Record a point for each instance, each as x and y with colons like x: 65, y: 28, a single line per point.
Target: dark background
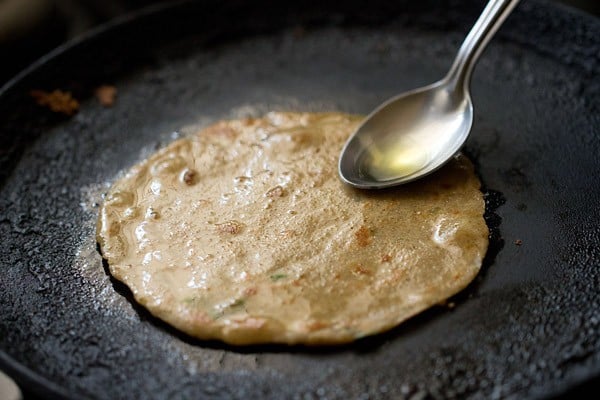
x: 31, y: 28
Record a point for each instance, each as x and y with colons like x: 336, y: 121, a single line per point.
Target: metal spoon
x: 417, y: 132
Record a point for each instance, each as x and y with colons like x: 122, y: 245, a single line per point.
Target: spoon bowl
x: 415, y: 133
x: 434, y: 122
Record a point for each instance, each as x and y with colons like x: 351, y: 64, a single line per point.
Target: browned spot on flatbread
x: 189, y: 177
x: 361, y: 270
x: 386, y: 258
x: 317, y: 325
x: 221, y: 129
x: 363, y: 236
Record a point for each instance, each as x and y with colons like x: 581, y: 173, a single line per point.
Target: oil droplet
x: 151, y: 213
x: 155, y: 187
x: 243, y: 183
x: 120, y: 198
x: 401, y: 159
x: 130, y: 212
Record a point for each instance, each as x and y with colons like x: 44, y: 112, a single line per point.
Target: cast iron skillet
x: 528, y: 327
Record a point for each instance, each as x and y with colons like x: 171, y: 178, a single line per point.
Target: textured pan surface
x: 528, y: 326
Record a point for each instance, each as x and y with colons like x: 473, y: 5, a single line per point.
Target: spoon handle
x: 491, y: 18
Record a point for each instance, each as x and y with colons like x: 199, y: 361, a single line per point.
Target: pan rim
x: 83, y: 38
x: 30, y: 381
x: 8, y: 363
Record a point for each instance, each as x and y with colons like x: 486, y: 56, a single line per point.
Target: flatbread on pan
x: 244, y: 233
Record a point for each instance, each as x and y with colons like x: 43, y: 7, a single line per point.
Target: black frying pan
x: 528, y: 327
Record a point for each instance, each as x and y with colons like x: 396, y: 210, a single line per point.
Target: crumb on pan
x: 57, y: 101
x: 106, y: 95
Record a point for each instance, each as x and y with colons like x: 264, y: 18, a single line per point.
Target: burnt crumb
x: 447, y: 304
x: 518, y: 242
x: 386, y: 258
x: 57, y: 101
x: 189, y: 177
x: 106, y: 95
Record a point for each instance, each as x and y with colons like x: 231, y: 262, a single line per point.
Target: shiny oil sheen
x: 385, y: 156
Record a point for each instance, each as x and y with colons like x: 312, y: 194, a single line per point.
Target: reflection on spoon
x: 415, y: 133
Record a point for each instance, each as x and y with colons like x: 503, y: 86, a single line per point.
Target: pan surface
x: 528, y: 327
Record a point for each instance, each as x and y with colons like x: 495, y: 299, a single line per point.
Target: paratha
x: 244, y: 233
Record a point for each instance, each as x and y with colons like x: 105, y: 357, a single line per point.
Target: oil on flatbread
x: 245, y: 234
